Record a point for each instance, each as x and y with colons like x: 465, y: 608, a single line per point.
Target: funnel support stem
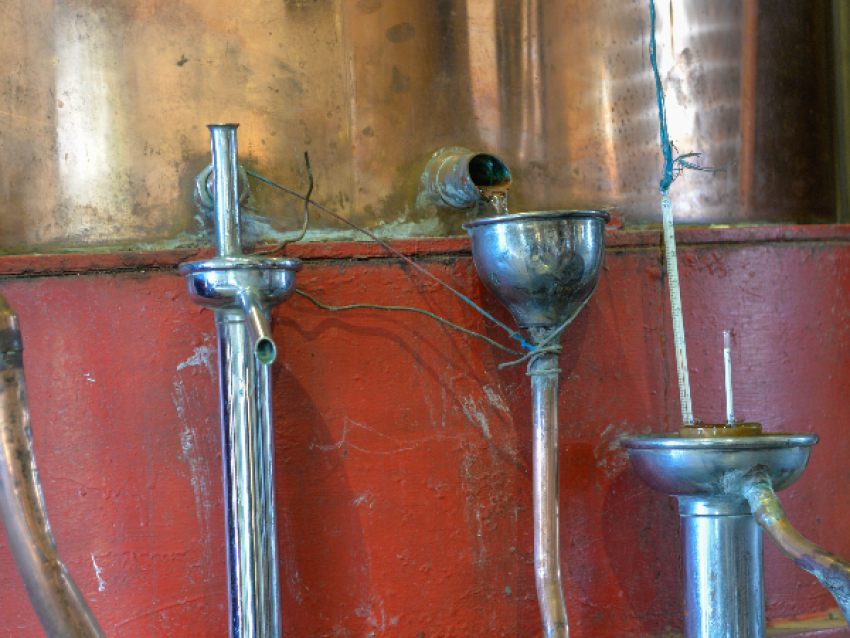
x: 547, y: 560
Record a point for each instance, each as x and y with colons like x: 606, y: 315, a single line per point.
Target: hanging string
x: 673, y: 167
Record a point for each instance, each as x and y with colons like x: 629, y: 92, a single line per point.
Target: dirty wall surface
x: 403, y: 454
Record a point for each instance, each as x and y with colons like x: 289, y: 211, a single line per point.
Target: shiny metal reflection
x: 100, y: 139
x: 543, y: 267
x: 721, y: 541
x: 241, y: 290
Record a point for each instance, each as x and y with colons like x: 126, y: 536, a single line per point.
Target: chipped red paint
x: 403, y: 453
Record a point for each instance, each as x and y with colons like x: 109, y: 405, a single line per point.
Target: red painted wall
x: 404, y: 457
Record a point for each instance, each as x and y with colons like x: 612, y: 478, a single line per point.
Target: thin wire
x: 303, y: 232
x: 546, y: 345
x: 513, y: 333
x: 408, y: 309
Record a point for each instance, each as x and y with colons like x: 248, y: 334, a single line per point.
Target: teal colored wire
x: 372, y: 306
x: 513, y: 333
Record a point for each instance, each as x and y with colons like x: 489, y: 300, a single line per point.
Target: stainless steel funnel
x: 543, y: 267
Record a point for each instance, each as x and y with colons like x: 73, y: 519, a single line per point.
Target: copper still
x: 562, y: 91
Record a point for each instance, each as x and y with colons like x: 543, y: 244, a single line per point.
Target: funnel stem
x: 547, y: 560
x: 60, y: 606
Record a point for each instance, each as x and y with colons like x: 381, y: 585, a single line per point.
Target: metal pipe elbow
x: 257, y: 323
x: 61, y: 608
x: 831, y: 570
x: 456, y: 177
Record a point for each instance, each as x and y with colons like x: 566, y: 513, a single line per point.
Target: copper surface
x: 104, y: 106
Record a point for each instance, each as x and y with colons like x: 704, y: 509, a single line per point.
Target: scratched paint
x: 101, y: 584
x: 400, y: 514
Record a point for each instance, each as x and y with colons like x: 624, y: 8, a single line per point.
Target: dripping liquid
x: 495, y: 202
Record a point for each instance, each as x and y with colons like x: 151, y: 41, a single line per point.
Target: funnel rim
x: 243, y: 262
x: 539, y: 215
x: 667, y: 441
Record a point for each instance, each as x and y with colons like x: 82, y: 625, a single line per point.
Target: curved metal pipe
x: 61, y: 608
x: 543, y: 370
x: 456, y: 177
x: 831, y: 570
x: 257, y: 324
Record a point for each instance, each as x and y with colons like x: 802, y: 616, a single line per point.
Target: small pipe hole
x: 265, y: 351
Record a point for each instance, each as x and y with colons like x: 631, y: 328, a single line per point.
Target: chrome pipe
x: 241, y: 289
x: 226, y: 189
x: 831, y: 570
x: 721, y: 569
x: 248, y: 464
x: 61, y: 608
x: 547, y: 561
x: 257, y: 324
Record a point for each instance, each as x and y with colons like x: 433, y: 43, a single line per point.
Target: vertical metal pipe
x: 249, y: 483
x: 245, y: 350
x: 226, y: 189
x: 271, y: 577
x: 547, y: 561
x: 722, y: 569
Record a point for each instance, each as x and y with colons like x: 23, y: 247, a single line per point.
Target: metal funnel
x: 542, y: 266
